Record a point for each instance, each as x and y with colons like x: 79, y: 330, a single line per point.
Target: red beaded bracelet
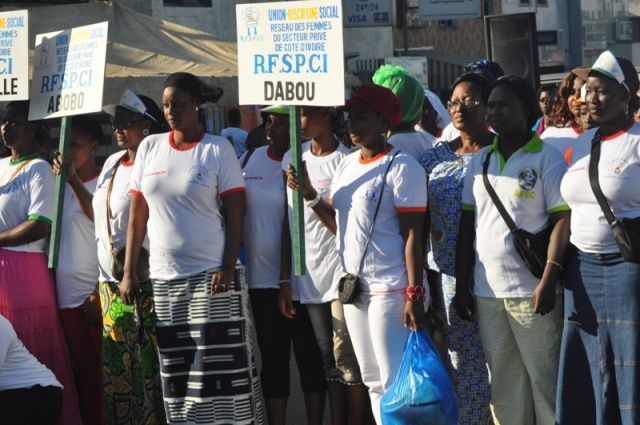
x: 415, y: 293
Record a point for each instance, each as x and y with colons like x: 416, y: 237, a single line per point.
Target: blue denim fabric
x: 599, y: 377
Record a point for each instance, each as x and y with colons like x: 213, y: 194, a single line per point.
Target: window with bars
x: 187, y: 3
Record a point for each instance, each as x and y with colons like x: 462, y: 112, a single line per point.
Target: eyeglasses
x: 125, y: 125
x: 467, y: 104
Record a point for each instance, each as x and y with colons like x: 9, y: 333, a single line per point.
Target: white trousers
x: 378, y: 335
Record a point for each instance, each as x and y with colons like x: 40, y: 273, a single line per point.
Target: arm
x: 83, y: 196
x: 545, y: 293
x: 233, y: 209
x: 465, y: 259
x: 285, y: 295
x: 323, y: 209
x: 411, y: 227
x: 26, y: 232
x: 138, y: 217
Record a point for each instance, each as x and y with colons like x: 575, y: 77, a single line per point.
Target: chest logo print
x: 617, y: 166
x: 198, y: 175
x: 527, y: 178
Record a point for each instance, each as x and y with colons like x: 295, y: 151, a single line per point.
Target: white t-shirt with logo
x: 619, y: 177
x: 412, y: 143
x: 528, y: 184
x: 183, y: 188
x: 26, y: 196
x: 19, y: 369
x: 120, y: 206
x: 560, y: 138
x: 77, y: 271
x: 264, y: 217
x: 355, y: 192
x: 320, y: 283
x: 238, y: 137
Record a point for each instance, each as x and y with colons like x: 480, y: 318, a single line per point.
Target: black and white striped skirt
x: 207, y: 366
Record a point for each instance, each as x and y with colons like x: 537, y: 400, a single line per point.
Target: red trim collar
x: 576, y: 130
x: 619, y: 132
x: 95, y: 176
x: 272, y: 156
x: 186, y: 147
x: 125, y: 163
x: 376, y: 156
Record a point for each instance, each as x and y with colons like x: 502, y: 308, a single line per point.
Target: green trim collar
x: 22, y: 159
x: 534, y: 145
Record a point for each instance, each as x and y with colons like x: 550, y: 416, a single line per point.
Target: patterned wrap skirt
x: 207, y: 365
x: 130, y: 359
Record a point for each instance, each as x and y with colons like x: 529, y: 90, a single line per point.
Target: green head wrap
x: 405, y: 87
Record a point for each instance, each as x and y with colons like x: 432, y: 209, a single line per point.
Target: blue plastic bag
x: 422, y: 393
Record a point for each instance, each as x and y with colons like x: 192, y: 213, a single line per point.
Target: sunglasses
x: 125, y: 125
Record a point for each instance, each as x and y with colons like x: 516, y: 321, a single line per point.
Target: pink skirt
x: 28, y: 301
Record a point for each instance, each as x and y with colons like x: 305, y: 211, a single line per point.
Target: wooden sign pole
x: 295, y: 133
x: 61, y: 183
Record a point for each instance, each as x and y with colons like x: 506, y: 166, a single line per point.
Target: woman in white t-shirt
x: 390, y: 265
x: 566, y: 124
x: 76, y: 280
x: 519, y: 315
x: 403, y: 135
x: 27, y: 288
x: 188, y: 192
x: 598, y: 378
x: 317, y: 289
x: 30, y: 394
x: 263, y: 240
x: 128, y: 330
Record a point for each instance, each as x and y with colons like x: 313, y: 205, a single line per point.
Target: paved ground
x: 296, y: 414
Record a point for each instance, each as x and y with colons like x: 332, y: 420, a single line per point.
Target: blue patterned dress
x: 445, y: 172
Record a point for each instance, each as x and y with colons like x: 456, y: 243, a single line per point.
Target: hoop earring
x: 145, y: 131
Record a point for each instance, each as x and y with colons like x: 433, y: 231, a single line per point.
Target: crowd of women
x: 507, y: 224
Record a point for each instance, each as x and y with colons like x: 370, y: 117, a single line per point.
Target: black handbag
x: 531, y: 247
x: 118, y: 254
x: 349, y: 284
x: 627, y: 230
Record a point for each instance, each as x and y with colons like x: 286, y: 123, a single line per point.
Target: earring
x: 145, y: 131
x: 197, y: 109
x: 626, y: 108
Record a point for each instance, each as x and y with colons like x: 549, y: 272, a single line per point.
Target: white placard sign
x: 449, y: 9
x: 14, y: 55
x: 290, y: 53
x: 68, y: 72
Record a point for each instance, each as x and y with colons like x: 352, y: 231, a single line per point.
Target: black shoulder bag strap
x: 246, y: 157
x: 593, y: 178
x: 375, y: 214
x: 494, y: 196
